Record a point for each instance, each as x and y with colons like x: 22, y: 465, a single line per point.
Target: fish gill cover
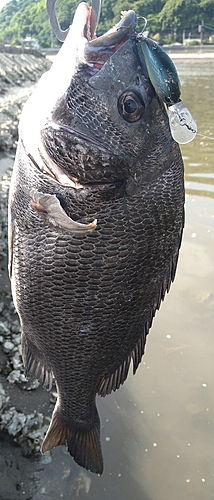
x: 96, y: 218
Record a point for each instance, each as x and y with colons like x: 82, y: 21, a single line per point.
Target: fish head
x: 99, y: 118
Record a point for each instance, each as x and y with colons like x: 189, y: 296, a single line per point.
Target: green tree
x: 22, y: 18
x: 185, y: 13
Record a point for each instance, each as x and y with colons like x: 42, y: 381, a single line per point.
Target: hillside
x: 166, y: 19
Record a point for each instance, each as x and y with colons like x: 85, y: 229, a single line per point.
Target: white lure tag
x: 182, y: 124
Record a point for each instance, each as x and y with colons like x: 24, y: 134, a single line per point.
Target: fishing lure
x: 164, y: 78
x: 182, y: 125
x: 161, y: 69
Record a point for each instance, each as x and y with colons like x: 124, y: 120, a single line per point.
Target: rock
x: 3, y: 398
x: 4, y: 328
x: 16, y: 376
x: 8, y: 346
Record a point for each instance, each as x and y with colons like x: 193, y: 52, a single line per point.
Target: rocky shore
x: 23, y: 426
x: 19, y: 71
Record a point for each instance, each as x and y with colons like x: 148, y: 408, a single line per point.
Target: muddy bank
x: 25, y: 408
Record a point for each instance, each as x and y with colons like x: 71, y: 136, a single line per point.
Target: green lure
x: 161, y: 71
x: 164, y: 78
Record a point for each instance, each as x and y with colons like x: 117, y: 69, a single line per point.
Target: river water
x: 158, y: 429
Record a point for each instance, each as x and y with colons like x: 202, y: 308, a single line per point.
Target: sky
x: 2, y: 3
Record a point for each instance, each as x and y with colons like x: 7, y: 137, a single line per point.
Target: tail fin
x: 85, y: 447
x: 83, y: 442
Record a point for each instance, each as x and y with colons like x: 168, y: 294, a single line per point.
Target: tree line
x: 166, y: 19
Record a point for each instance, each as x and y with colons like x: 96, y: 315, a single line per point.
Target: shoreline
x: 187, y: 53
x: 195, y: 52
x: 189, y: 56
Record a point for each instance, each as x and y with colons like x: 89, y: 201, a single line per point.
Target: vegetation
x: 166, y: 18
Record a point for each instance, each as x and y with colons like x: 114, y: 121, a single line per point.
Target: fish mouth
x: 97, y: 49
x: 92, y: 52
x: 91, y: 17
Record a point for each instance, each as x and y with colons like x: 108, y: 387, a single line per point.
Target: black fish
x: 96, y: 206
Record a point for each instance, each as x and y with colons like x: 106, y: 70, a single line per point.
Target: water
x: 158, y: 429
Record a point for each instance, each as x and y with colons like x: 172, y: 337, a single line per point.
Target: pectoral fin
x: 50, y: 204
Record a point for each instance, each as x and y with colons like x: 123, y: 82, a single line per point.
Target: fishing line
x: 205, y: 136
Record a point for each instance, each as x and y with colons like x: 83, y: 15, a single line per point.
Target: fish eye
x: 130, y: 106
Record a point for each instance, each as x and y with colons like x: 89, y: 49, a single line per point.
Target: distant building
x: 33, y: 43
x: 191, y: 38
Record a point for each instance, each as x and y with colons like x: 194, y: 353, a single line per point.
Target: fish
x: 96, y: 215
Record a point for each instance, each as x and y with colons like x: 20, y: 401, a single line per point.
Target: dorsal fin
x: 113, y: 381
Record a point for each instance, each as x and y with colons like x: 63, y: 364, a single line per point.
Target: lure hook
x: 61, y: 34
x: 140, y: 35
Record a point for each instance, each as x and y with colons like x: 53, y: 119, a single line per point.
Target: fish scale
x: 94, y: 264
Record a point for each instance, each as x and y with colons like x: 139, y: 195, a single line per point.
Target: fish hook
x: 59, y: 33
x: 140, y: 35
